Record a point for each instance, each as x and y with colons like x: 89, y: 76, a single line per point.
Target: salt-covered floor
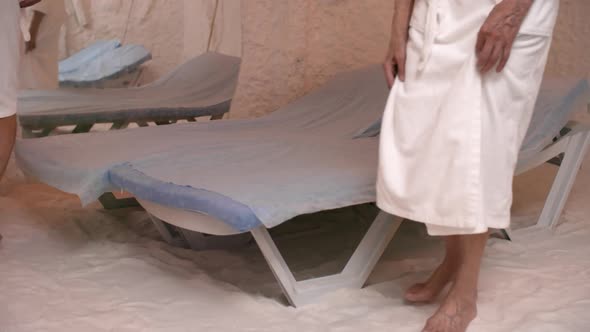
x: 65, y: 268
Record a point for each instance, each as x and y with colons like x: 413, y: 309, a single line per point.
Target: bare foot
x: 429, y: 290
x: 454, y: 315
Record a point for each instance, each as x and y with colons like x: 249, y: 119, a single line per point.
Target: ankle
x: 450, y: 268
x: 466, y: 295
x: 450, y: 265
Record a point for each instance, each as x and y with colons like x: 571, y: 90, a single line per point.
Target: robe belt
x: 430, y: 32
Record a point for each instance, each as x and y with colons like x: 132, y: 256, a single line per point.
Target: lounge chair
x: 203, y: 86
x: 239, y: 176
x: 106, y: 66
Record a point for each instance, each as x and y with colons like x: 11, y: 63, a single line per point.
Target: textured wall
x: 274, y: 53
x: 570, y: 54
x: 343, y: 35
x: 200, y: 18
x: 292, y: 46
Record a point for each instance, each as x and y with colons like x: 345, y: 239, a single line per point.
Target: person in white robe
x: 11, y: 48
x: 11, y: 44
x: 39, y: 65
x: 465, y: 75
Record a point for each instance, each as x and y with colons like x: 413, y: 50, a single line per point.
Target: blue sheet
x: 300, y: 159
x: 87, y: 55
x: 106, y: 65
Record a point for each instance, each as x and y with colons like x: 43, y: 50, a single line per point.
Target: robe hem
x: 438, y: 226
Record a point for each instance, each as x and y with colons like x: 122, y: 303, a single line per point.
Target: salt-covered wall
x: 570, y: 54
x: 213, y: 25
x: 289, y: 46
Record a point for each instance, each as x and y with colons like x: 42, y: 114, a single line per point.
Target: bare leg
x: 428, y: 291
x: 459, y: 307
x: 7, y: 137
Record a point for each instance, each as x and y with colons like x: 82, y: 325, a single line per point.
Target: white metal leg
x: 353, y: 275
x: 544, y: 156
x: 173, y: 239
x: 562, y: 185
x: 185, y: 238
x: 506, y: 233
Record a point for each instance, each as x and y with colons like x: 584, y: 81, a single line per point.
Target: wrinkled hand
x: 497, y: 35
x: 28, y: 3
x: 395, y: 61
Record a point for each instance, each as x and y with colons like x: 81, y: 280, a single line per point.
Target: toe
x: 416, y: 288
x: 419, y: 293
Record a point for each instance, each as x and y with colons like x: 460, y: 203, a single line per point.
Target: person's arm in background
x: 395, y: 62
x: 35, y: 23
x: 34, y: 30
x: 28, y: 3
x: 10, y: 48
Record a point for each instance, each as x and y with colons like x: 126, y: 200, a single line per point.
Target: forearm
x: 520, y: 11
x: 28, y: 3
x: 401, y: 17
x: 34, y: 30
x: 7, y: 137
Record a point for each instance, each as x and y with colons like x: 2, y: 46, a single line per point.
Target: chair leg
x: 562, y: 185
x: 110, y: 202
x: 119, y: 125
x: 169, y: 233
x: 46, y: 131
x: 354, y: 275
x: 506, y: 234
x: 82, y: 128
x: 27, y: 132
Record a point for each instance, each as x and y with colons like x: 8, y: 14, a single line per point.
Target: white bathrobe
x: 450, y: 136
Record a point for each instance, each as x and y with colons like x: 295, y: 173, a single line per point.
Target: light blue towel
x: 87, y: 55
x: 107, y: 65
